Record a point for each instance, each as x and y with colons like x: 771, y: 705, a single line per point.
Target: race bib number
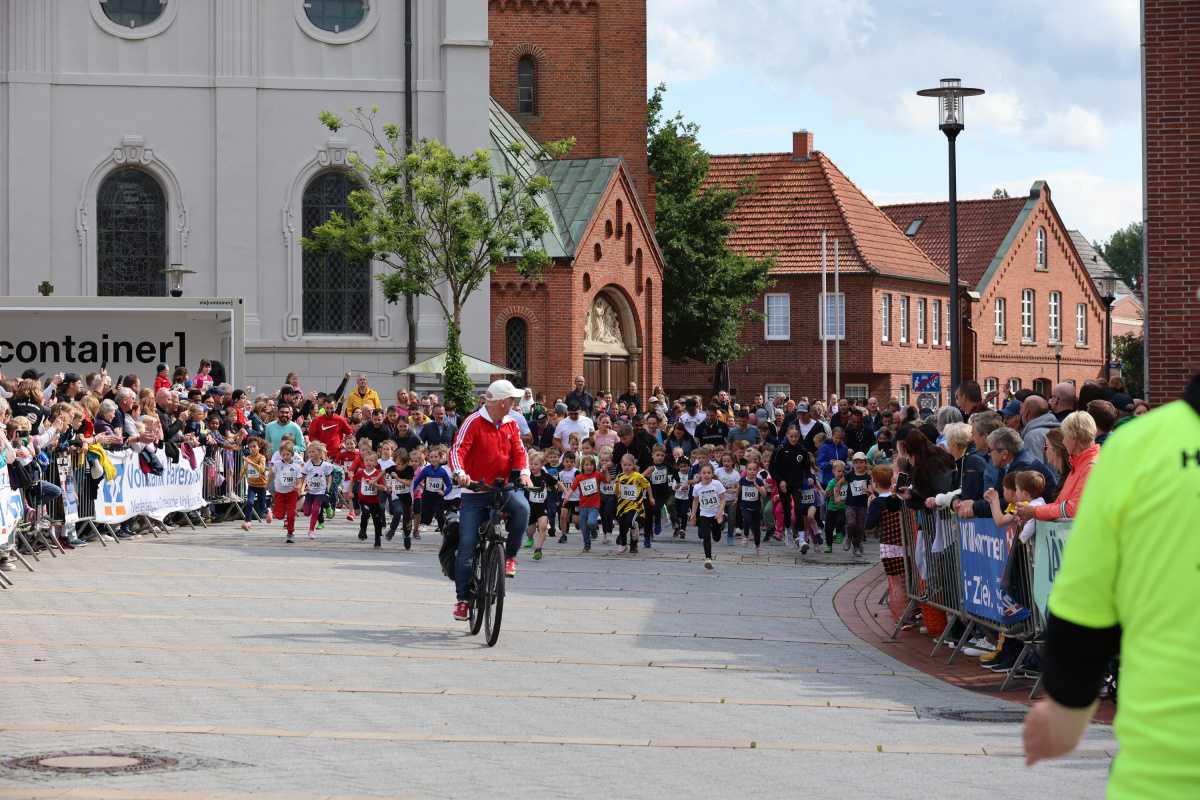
x: 396, y: 486
x: 658, y: 476
x: 608, y: 488
x: 839, y: 494
x: 629, y: 491
x: 710, y: 501
x: 434, y: 485
x: 858, y: 488
x: 315, y: 484
x: 588, y: 486
x: 806, y: 496
x: 367, y: 488
x: 750, y: 494
x: 252, y: 471
x: 287, y: 480
x: 537, y: 496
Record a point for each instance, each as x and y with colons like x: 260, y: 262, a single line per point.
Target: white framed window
x: 1014, y: 385
x: 903, y: 319
x: 134, y: 19
x: 1081, y: 324
x: 935, y: 323
x: 885, y: 314
x: 832, y: 310
x: 337, y: 21
x: 1027, y: 330
x: 1000, y: 334
x: 773, y: 390
x: 856, y: 392
x: 920, y: 320
x: 905, y: 393
x: 991, y: 385
x: 1041, y: 248
x: 778, y: 322
x: 1055, y: 317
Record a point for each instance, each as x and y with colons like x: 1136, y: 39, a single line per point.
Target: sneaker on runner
x: 804, y: 549
x: 708, y: 563
x: 528, y: 542
x: 408, y: 543
x: 537, y: 555
x: 510, y: 568
x: 828, y: 548
x: 290, y: 539
x: 562, y: 539
x: 461, y: 611
x: 312, y: 534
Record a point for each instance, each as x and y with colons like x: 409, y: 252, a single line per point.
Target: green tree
x: 707, y: 288
x: 1124, y: 253
x: 1127, y: 350
x: 419, y: 214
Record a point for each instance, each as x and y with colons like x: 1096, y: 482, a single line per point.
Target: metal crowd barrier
x: 933, y: 577
x: 225, y: 485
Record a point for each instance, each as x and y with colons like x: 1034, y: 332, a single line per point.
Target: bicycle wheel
x: 474, y: 608
x: 493, y: 609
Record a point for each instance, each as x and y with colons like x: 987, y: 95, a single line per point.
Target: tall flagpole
x: 821, y: 318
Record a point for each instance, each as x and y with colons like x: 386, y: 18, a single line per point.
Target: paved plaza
x: 329, y: 669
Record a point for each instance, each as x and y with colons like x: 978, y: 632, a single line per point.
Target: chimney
x: 802, y: 145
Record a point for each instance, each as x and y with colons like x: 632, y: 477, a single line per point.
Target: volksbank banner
x: 124, y: 334
x: 133, y: 492
x: 12, y: 511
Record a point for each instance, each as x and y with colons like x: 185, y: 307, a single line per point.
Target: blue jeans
x: 589, y: 518
x: 473, y: 513
x: 256, y: 500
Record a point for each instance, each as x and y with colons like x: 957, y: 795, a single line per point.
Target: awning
x: 437, y: 366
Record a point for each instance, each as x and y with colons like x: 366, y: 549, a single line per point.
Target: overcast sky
x: 1062, y: 80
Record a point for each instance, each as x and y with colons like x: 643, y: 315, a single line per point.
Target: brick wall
x: 555, y: 308
x: 884, y: 367
x: 1171, y: 91
x: 1063, y: 273
x: 591, y: 74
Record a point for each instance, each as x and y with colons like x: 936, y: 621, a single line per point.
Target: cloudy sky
x: 1062, y: 82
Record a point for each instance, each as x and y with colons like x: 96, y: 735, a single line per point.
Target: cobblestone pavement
x: 326, y: 668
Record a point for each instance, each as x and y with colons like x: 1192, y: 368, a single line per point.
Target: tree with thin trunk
x: 441, y: 222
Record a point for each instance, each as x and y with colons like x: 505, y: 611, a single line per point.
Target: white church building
x: 139, y: 134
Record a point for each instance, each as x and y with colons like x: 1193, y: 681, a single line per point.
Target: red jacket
x: 488, y: 452
x: 329, y: 430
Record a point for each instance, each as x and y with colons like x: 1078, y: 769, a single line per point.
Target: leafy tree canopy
x: 1124, y: 253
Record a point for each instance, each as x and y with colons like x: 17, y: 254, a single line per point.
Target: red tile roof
x: 982, y: 228
x: 793, y: 200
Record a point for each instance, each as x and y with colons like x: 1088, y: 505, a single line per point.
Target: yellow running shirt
x: 1133, y: 559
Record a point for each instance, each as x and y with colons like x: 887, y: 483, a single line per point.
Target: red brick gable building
x: 892, y: 292
x: 575, y: 68
x: 1031, y: 289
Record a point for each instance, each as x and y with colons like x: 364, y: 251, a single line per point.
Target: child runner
x: 659, y: 474
x: 683, y: 496
x: 858, y: 485
x: 416, y: 460
x: 286, y: 477
x: 434, y: 481
x: 254, y: 471
x: 537, y: 494
x: 608, y: 492
x: 730, y: 477
x: 835, y: 507
x: 587, y: 484
x: 708, y: 510
x: 369, y: 479
x: 752, y: 487
x: 345, y: 458
x: 566, y: 479
x: 316, y: 482
x: 552, y: 465
x: 883, y: 514
x: 398, y: 478
x: 632, y: 494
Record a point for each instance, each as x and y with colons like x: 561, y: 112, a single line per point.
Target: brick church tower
x: 575, y: 68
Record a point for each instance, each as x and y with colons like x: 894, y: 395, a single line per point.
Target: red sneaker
x: 461, y: 611
x: 510, y: 568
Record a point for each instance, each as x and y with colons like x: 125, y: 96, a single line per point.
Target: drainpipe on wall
x: 410, y: 305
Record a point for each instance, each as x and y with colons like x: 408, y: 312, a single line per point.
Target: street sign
x: 927, y: 382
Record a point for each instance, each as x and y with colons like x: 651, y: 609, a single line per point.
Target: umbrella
x: 437, y: 366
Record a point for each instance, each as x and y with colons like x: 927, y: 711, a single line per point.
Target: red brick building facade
x: 1171, y: 99
x: 1031, y: 288
x: 798, y: 194
x: 577, y: 68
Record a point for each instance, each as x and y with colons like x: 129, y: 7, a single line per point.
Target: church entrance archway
x: 611, y: 348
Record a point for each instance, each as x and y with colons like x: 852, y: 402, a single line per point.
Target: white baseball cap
x: 503, y: 390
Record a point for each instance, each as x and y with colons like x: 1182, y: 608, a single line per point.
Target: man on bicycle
x: 486, y: 449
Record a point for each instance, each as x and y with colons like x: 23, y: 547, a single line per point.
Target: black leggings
x: 835, y: 522
x: 789, y: 500
x: 708, y: 527
x: 401, y: 508
x: 375, y: 512
x: 752, y: 521
x: 608, y: 512
x: 625, y: 532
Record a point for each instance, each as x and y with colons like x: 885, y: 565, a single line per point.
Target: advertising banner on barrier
x: 12, y: 510
x: 983, y: 559
x: 66, y: 481
x: 1048, y: 544
x: 133, y: 492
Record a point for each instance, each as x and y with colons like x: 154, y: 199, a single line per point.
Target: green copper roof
x: 579, y: 183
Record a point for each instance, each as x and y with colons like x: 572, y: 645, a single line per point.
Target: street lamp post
x: 175, y: 274
x: 1107, y: 287
x: 950, y: 94
x: 1058, y: 363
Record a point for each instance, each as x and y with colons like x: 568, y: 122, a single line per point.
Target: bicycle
x: 487, y: 574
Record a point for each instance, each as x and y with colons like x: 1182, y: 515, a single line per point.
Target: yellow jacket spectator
x: 363, y: 396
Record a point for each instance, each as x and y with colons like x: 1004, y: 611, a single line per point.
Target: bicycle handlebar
x: 498, y: 486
